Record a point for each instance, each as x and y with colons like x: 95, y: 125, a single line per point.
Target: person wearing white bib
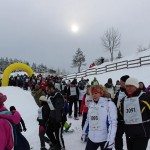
x: 42, y: 122
x: 86, y: 100
x: 73, y: 95
x: 101, y: 119
x: 135, y: 111
x: 120, y: 127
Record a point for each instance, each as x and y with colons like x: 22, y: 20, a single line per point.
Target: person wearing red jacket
x: 85, y: 104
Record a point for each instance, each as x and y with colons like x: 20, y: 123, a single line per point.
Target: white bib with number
x: 81, y: 93
x: 94, y: 118
x: 40, y: 113
x: 88, y: 100
x: 121, y: 95
x: 73, y: 91
x: 132, y: 112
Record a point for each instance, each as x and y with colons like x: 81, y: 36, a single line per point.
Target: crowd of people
x: 108, y: 111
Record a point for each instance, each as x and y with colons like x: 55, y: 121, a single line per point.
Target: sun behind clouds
x: 74, y: 28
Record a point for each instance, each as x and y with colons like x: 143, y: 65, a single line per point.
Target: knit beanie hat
x: 124, y: 78
x: 109, y: 81
x: 3, y: 98
x: 12, y: 108
x: 132, y: 81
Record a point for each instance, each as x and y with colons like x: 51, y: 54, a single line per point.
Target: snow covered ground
x: 25, y: 104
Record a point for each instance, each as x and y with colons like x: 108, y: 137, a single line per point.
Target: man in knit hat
x: 120, y: 129
x: 135, y: 112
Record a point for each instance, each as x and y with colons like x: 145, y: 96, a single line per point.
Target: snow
x: 27, y: 107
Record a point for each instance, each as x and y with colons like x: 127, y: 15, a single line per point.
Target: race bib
x: 73, y: 91
x: 40, y: 113
x: 88, y: 100
x: 121, y: 95
x: 132, y: 112
x: 94, y: 119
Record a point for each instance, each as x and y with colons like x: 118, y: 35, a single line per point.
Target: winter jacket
x: 87, y: 99
x: 135, y: 111
x: 5, y: 133
x: 56, y: 104
x: 6, y: 130
x: 102, y: 121
x: 36, y: 95
x: 73, y: 92
x: 15, y: 118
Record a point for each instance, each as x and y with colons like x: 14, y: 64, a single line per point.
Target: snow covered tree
x: 119, y: 55
x: 34, y: 66
x: 111, y: 41
x: 78, y: 59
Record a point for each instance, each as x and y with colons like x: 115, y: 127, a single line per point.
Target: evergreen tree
x: 78, y: 59
x: 119, y: 55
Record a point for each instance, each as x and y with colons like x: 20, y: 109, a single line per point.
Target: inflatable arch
x: 13, y: 67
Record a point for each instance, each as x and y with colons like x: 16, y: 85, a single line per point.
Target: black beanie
x: 124, y: 78
x: 12, y: 108
x: 109, y: 81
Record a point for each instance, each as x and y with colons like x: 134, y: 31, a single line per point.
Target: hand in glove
x: 83, y: 138
x: 41, y: 129
x: 108, y: 145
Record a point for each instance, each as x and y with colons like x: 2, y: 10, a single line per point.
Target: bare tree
x: 78, y: 59
x: 111, y: 40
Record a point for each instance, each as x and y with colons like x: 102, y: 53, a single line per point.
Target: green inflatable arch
x: 12, y: 67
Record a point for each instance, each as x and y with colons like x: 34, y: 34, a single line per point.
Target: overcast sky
x: 40, y: 30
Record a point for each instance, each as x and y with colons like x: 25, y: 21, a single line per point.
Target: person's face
x: 140, y: 85
x: 122, y: 84
x: 96, y: 94
x: 48, y: 90
x: 37, y: 87
x: 130, y: 89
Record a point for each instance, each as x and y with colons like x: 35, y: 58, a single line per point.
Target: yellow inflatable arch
x: 12, y: 67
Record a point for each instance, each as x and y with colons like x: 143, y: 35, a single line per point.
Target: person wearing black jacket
x: 73, y: 95
x: 55, y: 102
x: 135, y: 112
x: 120, y: 127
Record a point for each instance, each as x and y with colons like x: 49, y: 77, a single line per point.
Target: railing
x: 145, y: 60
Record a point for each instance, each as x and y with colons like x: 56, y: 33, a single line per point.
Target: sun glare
x: 74, y: 28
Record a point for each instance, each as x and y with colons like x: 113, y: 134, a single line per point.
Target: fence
x: 145, y: 60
